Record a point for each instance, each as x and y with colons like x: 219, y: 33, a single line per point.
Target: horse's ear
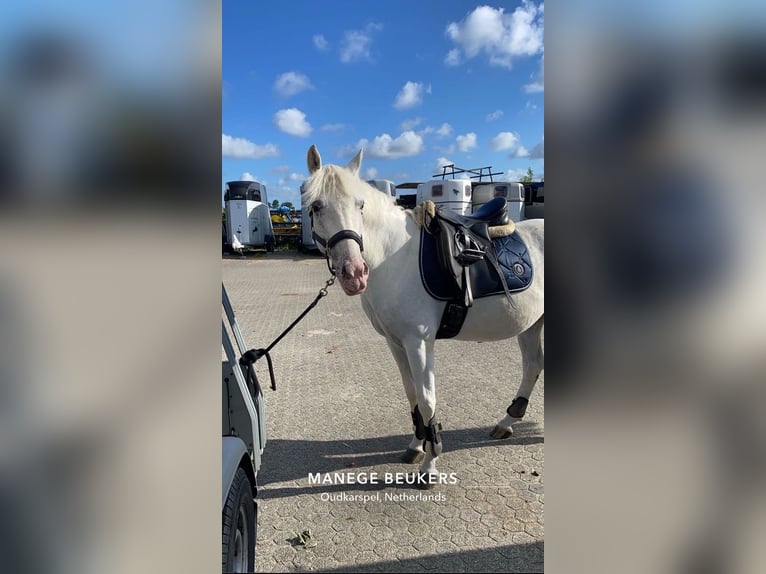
x: 313, y: 159
x: 355, y: 163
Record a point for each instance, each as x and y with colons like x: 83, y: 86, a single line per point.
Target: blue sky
x: 415, y: 84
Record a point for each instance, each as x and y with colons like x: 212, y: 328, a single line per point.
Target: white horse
x: 372, y: 246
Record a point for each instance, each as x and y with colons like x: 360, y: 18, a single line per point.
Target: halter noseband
x: 333, y: 241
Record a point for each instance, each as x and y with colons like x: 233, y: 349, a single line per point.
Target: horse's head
x: 336, y: 219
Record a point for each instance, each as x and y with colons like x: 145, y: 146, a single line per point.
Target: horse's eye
x: 360, y: 203
x: 316, y: 206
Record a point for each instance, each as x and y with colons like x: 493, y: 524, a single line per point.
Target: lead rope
x: 251, y: 356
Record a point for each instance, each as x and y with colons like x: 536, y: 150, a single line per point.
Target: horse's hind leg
x: 415, y: 450
x: 530, y: 343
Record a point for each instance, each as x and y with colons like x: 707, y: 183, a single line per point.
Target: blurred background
x: 109, y: 286
x: 656, y: 331
x: 110, y: 271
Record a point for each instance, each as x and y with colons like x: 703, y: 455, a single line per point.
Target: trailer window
x: 253, y: 195
x: 501, y: 191
x: 468, y: 191
x: 436, y: 191
x: 237, y: 191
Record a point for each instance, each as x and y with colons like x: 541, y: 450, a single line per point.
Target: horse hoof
x: 500, y: 433
x: 411, y: 456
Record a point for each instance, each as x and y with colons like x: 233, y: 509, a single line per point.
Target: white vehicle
x: 534, y: 200
x: 385, y: 185
x: 452, y: 194
x: 307, y: 242
x: 247, y: 214
x: 512, y: 191
x: 244, y: 438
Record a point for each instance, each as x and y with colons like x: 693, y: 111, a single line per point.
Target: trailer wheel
x: 239, y: 526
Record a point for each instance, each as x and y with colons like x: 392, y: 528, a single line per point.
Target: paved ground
x: 340, y: 406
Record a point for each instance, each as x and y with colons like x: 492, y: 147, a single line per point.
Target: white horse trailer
x: 307, y: 242
x: 512, y: 191
x: 452, y: 194
x: 247, y: 214
x: 385, y: 185
x: 534, y: 200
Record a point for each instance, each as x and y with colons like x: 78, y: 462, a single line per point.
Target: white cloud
x: 537, y: 84
x: 515, y: 174
x: 441, y: 162
x: 504, y: 140
x: 466, y: 142
x: 296, y: 177
x: 496, y: 115
x: 384, y: 146
x: 292, y: 121
x: 333, y: 127
x: 280, y: 169
x: 444, y: 130
x: 247, y: 176
x: 521, y: 151
x: 499, y: 35
x: 453, y: 57
x: 426, y: 130
x: 320, y: 42
x: 409, y: 96
x: 291, y: 83
x: 370, y: 173
x: 356, y: 44
x: 243, y: 148
x: 409, y: 124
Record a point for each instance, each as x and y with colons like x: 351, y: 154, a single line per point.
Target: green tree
x: 289, y: 204
x: 275, y: 204
x: 529, y: 177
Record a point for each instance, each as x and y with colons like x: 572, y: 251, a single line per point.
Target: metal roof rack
x: 452, y: 170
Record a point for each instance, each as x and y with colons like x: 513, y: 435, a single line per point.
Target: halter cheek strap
x: 333, y: 241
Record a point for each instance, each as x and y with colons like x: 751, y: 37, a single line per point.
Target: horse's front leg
x: 420, y: 355
x: 531, y: 345
x: 415, y: 450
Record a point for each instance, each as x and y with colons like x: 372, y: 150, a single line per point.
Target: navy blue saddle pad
x: 512, y: 255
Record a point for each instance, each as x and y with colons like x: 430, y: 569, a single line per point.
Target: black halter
x: 330, y: 243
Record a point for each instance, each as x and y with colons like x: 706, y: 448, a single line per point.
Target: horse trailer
x: 452, y: 194
x: 513, y: 192
x: 385, y: 185
x: 247, y: 214
x: 534, y: 200
x: 307, y: 241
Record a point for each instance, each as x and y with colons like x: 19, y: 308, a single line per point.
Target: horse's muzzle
x: 353, y: 276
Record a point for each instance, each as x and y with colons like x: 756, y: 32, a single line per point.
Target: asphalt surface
x: 340, y: 408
